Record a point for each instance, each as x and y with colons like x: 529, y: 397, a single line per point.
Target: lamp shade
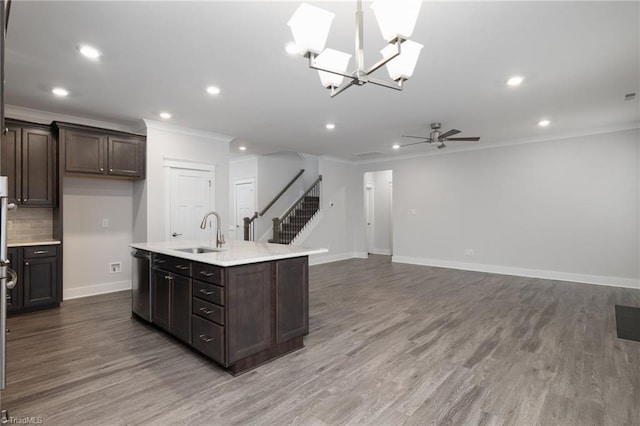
x: 310, y: 26
x: 402, y: 66
x: 396, y: 18
x: 333, y: 60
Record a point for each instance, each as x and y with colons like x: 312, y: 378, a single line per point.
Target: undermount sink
x: 200, y: 250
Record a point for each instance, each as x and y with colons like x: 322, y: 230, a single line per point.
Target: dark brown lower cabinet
x: 38, y: 269
x: 240, y: 316
x: 171, y: 301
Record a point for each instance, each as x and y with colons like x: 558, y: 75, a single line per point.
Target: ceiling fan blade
x: 472, y: 139
x: 417, y: 137
x: 414, y: 143
x: 449, y: 133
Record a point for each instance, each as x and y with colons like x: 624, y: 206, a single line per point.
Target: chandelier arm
x: 384, y: 61
x: 337, y: 90
x: 313, y: 65
x: 397, y: 86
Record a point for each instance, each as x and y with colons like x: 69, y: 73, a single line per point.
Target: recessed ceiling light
x: 396, y: 146
x: 90, y: 52
x: 544, y: 123
x: 330, y: 126
x: 213, y: 90
x: 165, y: 115
x: 242, y: 148
x: 292, y: 48
x: 516, y: 80
x: 59, y: 91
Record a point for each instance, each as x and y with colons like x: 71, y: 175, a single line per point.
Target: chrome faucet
x: 219, y: 236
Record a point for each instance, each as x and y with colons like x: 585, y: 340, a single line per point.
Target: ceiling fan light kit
x: 310, y: 27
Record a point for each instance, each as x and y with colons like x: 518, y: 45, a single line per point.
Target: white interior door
x: 245, y: 204
x: 368, y: 208
x: 191, y: 197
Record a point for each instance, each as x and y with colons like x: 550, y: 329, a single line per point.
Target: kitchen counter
x: 235, y: 252
x: 19, y: 243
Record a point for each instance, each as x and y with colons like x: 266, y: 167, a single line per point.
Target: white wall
x: 381, y: 228
x: 341, y: 229
x: 563, y: 209
x: 164, y: 141
x: 274, y: 172
x: 88, y: 246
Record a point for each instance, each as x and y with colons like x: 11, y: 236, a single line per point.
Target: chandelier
x: 310, y: 26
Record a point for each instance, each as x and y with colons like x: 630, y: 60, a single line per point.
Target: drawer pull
x: 41, y: 252
x: 207, y: 274
x: 182, y: 267
x: 168, y: 277
x: 205, y: 292
x: 160, y: 261
x: 206, y: 338
x: 206, y: 311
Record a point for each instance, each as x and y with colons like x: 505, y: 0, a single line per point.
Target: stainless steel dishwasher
x: 141, y: 284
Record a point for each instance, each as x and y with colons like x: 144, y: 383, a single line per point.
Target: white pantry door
x: 245, y: 204
x: 190, y: 199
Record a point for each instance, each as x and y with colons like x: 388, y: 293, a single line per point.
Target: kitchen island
x: 241, y: 305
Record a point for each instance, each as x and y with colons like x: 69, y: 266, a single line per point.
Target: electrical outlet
x: 115, y: 267
x: 469, y: 252
x: 105, y: 223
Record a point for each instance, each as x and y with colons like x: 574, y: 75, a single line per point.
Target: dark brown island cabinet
x: 239, y: 316
x: 39, y: 283
x: 95, y: 152
x: 29, y: 160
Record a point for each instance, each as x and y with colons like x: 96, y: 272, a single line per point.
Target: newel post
x: 276, y: 230
x: 247, y: 223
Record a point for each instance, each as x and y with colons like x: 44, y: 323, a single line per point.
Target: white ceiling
x: 579, y: 60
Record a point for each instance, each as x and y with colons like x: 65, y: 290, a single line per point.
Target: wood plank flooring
x: 389, y: 344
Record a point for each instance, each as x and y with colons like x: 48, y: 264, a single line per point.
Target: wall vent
x: 629, y: 96
x: 368, y: 154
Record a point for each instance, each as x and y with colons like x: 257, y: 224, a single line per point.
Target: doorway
x: 378, y: 209
x: 190, y: 195
x: 244, y: 203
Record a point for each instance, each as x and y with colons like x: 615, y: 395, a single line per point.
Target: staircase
x: 286, y: 227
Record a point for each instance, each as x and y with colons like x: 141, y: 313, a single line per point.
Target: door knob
x: 175, y: 234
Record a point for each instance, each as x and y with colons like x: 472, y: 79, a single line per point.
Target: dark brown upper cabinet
x: 98, y: 152
x: 28, y: 159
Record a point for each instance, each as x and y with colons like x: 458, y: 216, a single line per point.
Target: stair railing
x: 289, y: 218
x: 249, y: 231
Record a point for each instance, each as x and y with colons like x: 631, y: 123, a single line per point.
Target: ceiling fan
x: 440, y: 138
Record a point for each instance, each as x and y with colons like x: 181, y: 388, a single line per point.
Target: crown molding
x: 157, y: 125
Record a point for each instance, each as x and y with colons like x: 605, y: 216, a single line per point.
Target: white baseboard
x: 384, y: 252
x: 522, y: 272
x: 93, y: 290
x: 320, y: 259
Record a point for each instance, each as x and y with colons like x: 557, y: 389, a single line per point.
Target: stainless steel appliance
x: 8, y: 279
x: 141, y: 285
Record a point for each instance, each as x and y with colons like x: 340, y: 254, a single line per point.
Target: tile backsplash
x: 29, y: 224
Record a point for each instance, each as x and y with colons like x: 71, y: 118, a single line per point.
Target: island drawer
x: 209, y: 273
x: 209, y: 292
x: 208, y: 338
x: 39, y: 251
x: 208, y: 310
x: 173, y: 264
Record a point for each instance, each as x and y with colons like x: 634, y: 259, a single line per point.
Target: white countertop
x: 32, y: 243
x: 235, y: 252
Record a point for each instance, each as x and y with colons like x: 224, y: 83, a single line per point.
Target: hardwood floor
x: 388, y: 344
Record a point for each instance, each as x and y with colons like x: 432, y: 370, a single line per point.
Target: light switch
x: 105, y: 223
x: 413, y: 212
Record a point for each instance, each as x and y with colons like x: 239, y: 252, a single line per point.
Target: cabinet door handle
x: 5, y: 130
x: 110, y: 170
x: 19, y: 200
x: 207, y: 274
x: 168, y: 277
x: 206, y: 311
x: 101, y: 169
x: 160, y: 261
x: 206, y: 338
x: 205, y: 292
x: 41, y: 252
x: 26, y: 263
x: 182, y: 267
